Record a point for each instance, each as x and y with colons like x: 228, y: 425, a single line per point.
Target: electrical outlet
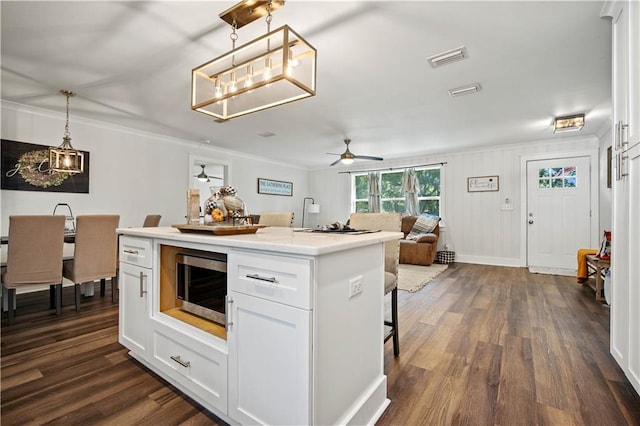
x: 355, y: 286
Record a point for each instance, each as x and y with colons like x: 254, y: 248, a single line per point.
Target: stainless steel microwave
x: 201, y: 284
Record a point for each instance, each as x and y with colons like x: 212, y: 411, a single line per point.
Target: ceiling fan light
x: 347, y: 161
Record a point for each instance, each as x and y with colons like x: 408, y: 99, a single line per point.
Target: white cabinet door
x: 134, y: 283
x: 269, y: 362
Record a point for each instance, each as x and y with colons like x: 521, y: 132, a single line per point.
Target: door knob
x: 530, y: 222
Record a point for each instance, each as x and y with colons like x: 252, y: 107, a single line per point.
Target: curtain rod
x: 393, y: 168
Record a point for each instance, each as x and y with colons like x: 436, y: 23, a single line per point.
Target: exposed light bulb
x: 267, y: 68
x: 249, y: 81
x: 292, y: 61
x: 217, y: 92
x: 234, y: 86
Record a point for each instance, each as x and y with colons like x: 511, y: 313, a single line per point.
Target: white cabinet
x: 134, y: 281
x: 269, y: 362
x: 625, y: 251
x: 269, y: 337
x: 300, y: 348
x: 199, y: 366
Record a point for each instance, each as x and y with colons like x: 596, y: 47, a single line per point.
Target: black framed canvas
x: 25, y: 167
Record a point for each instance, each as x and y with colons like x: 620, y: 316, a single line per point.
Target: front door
x: 558, y: 213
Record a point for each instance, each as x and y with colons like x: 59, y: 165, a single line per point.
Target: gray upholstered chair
x: 276, y: 219
x: 151, y: 221
x: 34, y: 257
x: 95, y: 255
x: 385, y: 222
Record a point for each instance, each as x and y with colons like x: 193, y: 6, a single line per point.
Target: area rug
x: 412, y: 278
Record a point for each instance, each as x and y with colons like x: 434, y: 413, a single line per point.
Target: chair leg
x: 114, y: 289
x: 10, y: 304
x: 103, y: 283
x: 58, y: 297
x: 78, y: 296
x: 394, y: 319
x: 52, y: 296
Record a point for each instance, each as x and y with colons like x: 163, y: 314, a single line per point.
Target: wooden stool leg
x: 394, y: 318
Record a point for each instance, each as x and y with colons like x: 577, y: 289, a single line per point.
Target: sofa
x: 421, y: 251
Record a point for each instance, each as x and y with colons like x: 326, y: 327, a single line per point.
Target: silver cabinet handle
x: 258, y: 277
x: 142, y: 279
x: 130, y: 251
x: 229, y: 311
x: 179, y: 360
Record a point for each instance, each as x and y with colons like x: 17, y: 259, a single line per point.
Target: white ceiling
x: 130, y: 64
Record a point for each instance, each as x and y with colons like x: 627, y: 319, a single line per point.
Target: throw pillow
x: 424, y: 224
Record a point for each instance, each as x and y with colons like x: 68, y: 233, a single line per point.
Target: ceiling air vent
x: 464, y: 90
x: 447, y: 57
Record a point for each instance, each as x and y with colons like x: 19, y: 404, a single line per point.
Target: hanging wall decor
x: 25, y: 167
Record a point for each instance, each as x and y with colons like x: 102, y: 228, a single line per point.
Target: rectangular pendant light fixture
x: 570, y: 123
x: 274, y: 69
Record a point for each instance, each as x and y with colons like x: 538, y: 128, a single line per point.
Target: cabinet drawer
x: 282, y: 279
x: 199, y: 367
x: 136, y: 251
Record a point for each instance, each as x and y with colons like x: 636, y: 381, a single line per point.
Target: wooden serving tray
x: 220, y: 229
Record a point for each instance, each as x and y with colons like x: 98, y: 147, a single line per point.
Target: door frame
x: 594, y: 192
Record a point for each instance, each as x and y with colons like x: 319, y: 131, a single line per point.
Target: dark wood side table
x: 600, y: 265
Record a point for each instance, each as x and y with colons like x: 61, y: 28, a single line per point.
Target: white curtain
x: 410, y: 189
x: 374, y: 192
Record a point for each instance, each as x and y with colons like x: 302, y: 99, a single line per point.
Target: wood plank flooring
x: 480, y: 345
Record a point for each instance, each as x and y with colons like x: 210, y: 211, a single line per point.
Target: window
x: 391, y: 195
x: 557, y: 177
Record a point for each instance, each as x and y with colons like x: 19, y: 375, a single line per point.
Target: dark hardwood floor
x: 480, y: 345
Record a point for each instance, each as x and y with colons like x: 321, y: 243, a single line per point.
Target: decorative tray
x: 220, y: 229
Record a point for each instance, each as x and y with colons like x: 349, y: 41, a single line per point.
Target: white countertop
x: 276, y: 239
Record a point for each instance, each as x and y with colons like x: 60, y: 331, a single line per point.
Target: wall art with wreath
x: 25, y: 167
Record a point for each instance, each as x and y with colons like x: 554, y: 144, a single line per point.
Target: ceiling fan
x: 347, y: 157
x: 204, y: 177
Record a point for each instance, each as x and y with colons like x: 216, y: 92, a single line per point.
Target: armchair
x: 421, y: 251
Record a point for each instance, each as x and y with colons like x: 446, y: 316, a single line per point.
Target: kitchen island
x: 302, y: 341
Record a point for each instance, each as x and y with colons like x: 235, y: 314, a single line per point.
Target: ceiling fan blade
x: 332, y: 153
x: 335, y: 162
x: 368, y: 157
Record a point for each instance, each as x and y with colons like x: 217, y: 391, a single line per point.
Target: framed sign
x: 483, y: 183
x: 274, y: 187
x: 25, y: 167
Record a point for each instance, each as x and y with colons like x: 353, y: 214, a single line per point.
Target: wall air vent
x: 447, y: 57
x: 464, y: 90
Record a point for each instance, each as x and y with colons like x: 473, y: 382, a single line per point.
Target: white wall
x: 476, y: 229
x: 150, y: 174
x: 135, y: 173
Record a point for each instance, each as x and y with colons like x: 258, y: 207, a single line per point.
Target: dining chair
x: 95, y: 254
x: 385, y: 222
x: 151, y: 221
x: 34, y: 257
x: 276, y: 219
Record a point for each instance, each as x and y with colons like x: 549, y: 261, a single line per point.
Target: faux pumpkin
x: 217, y: 215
